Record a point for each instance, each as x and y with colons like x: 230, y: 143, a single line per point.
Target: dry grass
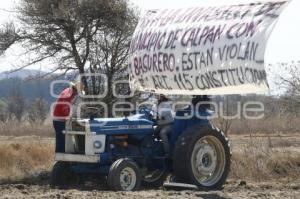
x: 23, y: 157
x: 14, y: 128
x: 273, y: 125
x: 255, y: 158
x: 267, y: 159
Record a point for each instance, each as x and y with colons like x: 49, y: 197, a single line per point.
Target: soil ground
x: 233, y: 190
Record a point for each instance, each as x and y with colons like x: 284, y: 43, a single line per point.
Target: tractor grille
x: 81, y: 144
x: 75, y: 137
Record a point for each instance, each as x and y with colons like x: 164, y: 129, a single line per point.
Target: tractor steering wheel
x: 146, y: 111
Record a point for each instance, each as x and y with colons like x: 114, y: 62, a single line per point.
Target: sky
x: 283, y: 45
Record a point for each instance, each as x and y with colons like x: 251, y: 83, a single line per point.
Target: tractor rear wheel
x: 62, y: 175
x: 202, y: 157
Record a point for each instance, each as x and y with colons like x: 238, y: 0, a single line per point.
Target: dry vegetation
x: 287, y: 124
x: 24, y: 156
x: 14, y: 128
x: 255, y: 158
x: 265, y: 158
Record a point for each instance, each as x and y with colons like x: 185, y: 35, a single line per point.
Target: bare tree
x: 292, y: 80
x: 110, y: 58
x: 38, y: 111
x: 63, y: 30
x: 225, y: 123
x: 291, y: 84
x: 3, y: 112
x: 228, y: 109
x: 16, y: 104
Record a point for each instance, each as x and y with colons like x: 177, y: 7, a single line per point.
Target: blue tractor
x: 129, y: 152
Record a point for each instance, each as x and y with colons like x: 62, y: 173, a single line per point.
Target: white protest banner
x: 205, y: 50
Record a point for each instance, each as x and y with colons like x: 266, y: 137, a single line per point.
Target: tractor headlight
x: 97, y: 144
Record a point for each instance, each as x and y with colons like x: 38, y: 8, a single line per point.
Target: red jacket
x: 62, y: 107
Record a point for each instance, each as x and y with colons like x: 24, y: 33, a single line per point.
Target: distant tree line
x: 26, y: 100
x: 16, y: 108
x: 285, y: 105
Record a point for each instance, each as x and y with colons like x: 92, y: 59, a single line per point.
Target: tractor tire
x: 62, y: 175
x: 111, y: 169
x: 202, y: 157
x: 124, y: 175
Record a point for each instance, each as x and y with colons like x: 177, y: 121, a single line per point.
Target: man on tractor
x: 62, y: 111
x: 164, y: 116
x: 201, y: 102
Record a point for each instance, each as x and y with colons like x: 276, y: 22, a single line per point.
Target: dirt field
x: 232, y: 190
x: 262, y: 167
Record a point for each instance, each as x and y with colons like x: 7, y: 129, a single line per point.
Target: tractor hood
x: 125, y: 125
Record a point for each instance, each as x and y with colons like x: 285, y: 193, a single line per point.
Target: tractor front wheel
x: 202, y: 157
x: 124, y: 175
